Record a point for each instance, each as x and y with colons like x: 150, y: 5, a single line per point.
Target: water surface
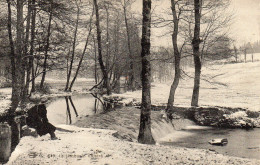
x: 241, y: 143
x: 66, y: 110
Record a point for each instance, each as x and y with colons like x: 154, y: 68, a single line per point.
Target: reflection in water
x: 71, y: 102
x: 59, y: 111
x: 97, y: 102
x: 68, y: 110
x: 68, y: 114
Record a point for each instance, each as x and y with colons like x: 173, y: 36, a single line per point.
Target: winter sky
x: 244, y: 28
x: 247, y: 20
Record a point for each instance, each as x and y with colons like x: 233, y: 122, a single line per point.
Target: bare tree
x: 15, y: 89
x: 196, y: 53
x: 177, y: 55
x: 235, y: 52
x: 131, y: 58
x: 31, y: 58
x: 83, y: 53
x: 107, y: 8
x: 245, y: 53
x: 145, y: 134
x: 213, y: 22
x: 73, y: 48
x: 47, y: 46
x: 106, y: 83
x: 26, y: 45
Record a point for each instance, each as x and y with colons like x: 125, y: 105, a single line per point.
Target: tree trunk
x: 100, y: 58
x: 83, y: 53
x: 31, y: 59
x: 107, y: 40
x: 235, y: 51
x: 196, y: 54
x: 177, y: 57
x: 245, y: 52
x: 15, y: 91
x: 68, y: 109
x: 145, y: 134
x: 28, y: 66
x: 73, y: 51
x: 16, y: 60
x: 95, y: 69
x: 117, y: 70
x: 116, y: 80
x: 46, y: 48
x: 21, y: 58
x: 19, y: 46
x: 131, y: 82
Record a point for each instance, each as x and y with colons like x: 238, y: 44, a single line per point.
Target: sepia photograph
x: 130, y: 82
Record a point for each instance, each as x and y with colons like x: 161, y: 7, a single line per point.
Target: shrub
x: 4, y: 82
x: 45, y: 90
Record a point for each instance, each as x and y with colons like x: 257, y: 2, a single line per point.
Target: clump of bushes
x: 45, y: 90
x: 4, y: 82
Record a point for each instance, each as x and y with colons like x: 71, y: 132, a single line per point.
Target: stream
x: 68, y: 109
x: 241, y: 143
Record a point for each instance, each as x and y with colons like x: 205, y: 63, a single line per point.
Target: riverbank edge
x: 93, y: 145
x: 62, y: 95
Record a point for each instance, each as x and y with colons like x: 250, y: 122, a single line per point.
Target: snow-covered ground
x: 5, y: 98
x: 98, y: 146
x: 231, y: 85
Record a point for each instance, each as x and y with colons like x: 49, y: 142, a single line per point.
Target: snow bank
x: 98, y: 146
x: 229, y: 85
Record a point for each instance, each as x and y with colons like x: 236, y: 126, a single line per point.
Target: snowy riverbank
x: 95, y: 146
x: 105, y: 140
